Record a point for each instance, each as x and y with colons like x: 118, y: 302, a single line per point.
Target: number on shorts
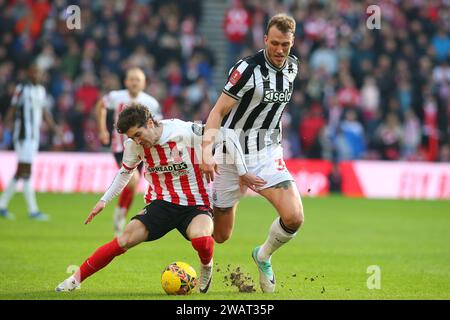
x: 280, y: 164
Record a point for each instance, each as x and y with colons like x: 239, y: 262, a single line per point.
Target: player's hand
x: 251, y: 181
x: 209, y: 167
x: 104, y: 136
x: 98, y: 207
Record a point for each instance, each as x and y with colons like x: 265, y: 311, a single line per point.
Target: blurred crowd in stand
x: 361, y: 94
x: 81, y: 65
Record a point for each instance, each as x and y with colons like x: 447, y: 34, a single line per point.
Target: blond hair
x: 283, y: 22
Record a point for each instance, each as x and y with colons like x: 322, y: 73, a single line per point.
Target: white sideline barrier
x: 64, y: 171
x: 93, y: 172
x: 396, y: 180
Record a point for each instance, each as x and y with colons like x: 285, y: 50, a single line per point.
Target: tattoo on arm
x: 284, y: 184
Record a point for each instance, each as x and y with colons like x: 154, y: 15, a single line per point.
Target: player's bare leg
x: 125, y: 201
x: 135, y: 233
x: 224, y: 223
x: 8, y: 193
x: 23, y: 172
x: 286, y: 199
x: 199, y: 231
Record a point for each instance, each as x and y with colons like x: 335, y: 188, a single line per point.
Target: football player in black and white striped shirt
x: 28, y: 107
x: 252, y: 102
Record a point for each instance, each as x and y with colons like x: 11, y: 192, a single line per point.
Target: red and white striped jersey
x: 172, y: 166
x: 116, y: 100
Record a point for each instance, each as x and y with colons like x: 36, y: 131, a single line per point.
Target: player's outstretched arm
x: 98, y: 207
x: 120, y: 181
x: 222, y: 107
x: 100, y: 113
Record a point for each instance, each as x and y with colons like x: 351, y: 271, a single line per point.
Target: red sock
x: 99, y: 259
x: 205, y: 247
x: 126, y: 199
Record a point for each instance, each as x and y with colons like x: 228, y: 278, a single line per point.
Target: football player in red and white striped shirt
x: 177, y: 197
x: 116, y: 101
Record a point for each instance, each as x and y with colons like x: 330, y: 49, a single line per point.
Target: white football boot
x: 206, y: 272
x: 69, y: 284
x: 266, y: 276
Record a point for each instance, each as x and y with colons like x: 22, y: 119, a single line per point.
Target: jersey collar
x: 270, y: 63
x: 135, y: 98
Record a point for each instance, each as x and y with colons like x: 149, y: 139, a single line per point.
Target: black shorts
x: 160, y: 217
x: 119, y: 156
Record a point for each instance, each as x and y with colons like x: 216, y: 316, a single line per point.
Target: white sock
x: 74, y: 278
x: 8, y: 193
x: 210, y: 263
x: 120, y: 220
x: 276, y: 238
x: 29, y: 195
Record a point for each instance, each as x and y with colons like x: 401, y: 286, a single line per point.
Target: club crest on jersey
x: 272, y: 96
x: 291, y: 77
x: 235, y: 76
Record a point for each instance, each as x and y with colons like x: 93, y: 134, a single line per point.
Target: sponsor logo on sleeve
x: 235, y: 76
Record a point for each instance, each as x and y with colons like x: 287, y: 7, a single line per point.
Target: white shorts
x: 26, y: 150
x: 226, y: 191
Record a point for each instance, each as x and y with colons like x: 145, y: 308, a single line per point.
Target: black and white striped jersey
x: 263, y: 90
x: 29, y: 101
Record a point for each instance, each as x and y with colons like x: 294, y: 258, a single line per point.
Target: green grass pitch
x: 329, y: 259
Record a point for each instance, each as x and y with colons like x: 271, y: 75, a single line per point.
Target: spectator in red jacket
x: 310, y: 127
x: 87, y: 93
x: 236, y: 24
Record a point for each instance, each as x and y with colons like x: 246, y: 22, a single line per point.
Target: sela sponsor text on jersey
x: 273, y: 96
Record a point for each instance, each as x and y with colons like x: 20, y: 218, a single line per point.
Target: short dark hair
x: 134, y: 114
